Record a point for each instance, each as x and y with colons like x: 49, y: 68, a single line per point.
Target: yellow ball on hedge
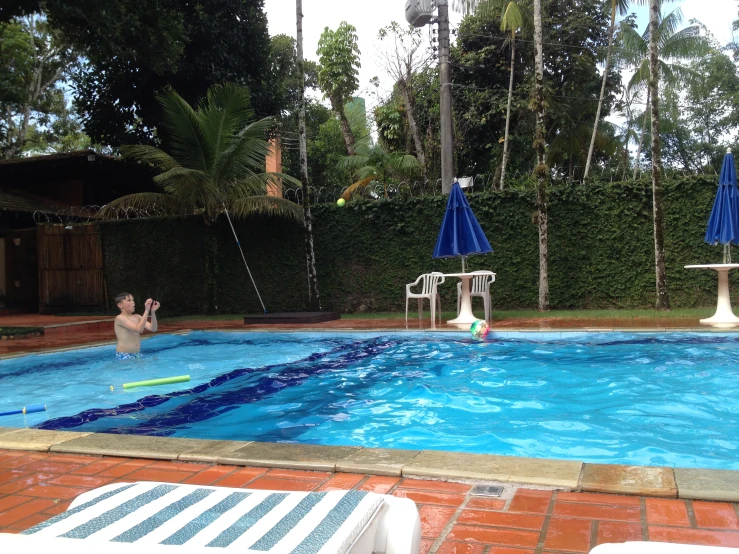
x: 340, y: 202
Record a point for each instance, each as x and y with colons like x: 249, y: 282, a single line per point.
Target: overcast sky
x: 369, y: 17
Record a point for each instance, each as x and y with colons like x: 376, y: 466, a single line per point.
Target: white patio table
x: 465, y: 315
x: 724, y: 316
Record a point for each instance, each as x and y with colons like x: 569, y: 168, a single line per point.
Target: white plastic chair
x: 429, y: 282
x: 479, y: 286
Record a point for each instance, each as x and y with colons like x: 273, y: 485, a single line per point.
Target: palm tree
x: 621, y: 6
x: 673, y: 48
x: 515, y: 16
x: 374, y: 164
x: 215, y: 165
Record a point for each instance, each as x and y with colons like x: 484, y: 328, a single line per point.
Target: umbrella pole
x: 463, y: 270
x: 727, y: 253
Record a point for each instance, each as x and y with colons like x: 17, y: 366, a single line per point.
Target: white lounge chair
x: 643, y: 547
x: 479, y: 286
x: 429, y: 283
x: 153, y: 518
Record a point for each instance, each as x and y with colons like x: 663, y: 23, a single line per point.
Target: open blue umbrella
x: 723, y: 225
x: 460, y: 233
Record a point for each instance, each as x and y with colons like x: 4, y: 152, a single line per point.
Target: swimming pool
x: 668, y: 399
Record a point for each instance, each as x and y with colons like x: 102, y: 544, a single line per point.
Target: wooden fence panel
x: 70, y: 268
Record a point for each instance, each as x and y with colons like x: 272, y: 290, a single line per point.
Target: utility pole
x: 445, y: 99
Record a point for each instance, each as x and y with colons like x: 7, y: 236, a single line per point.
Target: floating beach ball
x: 340, y: 202
x: 479, y: 329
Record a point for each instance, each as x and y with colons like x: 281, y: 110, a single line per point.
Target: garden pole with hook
x: 243, y: 257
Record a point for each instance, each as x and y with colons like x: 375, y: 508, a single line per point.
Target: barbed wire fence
x: 89, y: 214
x: 328, y: 194
x: 480, y: 182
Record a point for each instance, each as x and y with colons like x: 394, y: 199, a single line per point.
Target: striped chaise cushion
x: 195, y: 516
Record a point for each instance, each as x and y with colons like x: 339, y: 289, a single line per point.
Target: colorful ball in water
x: 340, y: 202
x: 479, y: 329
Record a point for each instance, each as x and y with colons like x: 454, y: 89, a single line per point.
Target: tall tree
x: 314, y: 298
x: 338, y: 69
x: 402, y: 61
x: 34, y: 61
x: 712, y: 112
x: 655, y: 16
x: 134, y: 49
x: 286, y: 77
x: 621, y: 6
x: 675, y: 49
x: 541, y: 171
x: 515, y: 18
x: 663, y: 300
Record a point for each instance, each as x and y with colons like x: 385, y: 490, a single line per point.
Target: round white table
x: 465, y: 315
x: 724, y: 316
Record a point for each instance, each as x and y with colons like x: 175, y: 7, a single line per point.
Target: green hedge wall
x: 600, y: 252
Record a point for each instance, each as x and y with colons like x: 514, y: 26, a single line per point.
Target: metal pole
x: 445, y: 100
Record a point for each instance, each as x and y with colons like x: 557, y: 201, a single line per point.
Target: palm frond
x: 675, y: 74
x: 157, y: 204
x: 247, y: 153
x: 513, y: 19
x: 258, y: 184
x: 669, y: 25
x: 265, y: 205
x: 188, y: 141
x: 223, y: 114
x: 633, y: 46
x: 640, y: 77
x: 622, y: 6
x: 181, y: 175
x: 352, y: 163
x: 405, y: 164
x: 150, y: 155
x: 685, y: 44
x: 354, y: 187
x: 368, y: 171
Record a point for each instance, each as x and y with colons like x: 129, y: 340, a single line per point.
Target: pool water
x: 667, y: 399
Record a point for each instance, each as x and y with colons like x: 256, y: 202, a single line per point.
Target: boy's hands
x: 148, y: 304
x: 154, y: 306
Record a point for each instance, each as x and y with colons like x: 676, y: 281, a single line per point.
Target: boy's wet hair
x: 121, y: 297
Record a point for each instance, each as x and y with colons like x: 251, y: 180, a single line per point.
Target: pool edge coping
x: 568, y: 475
x: 253, y: 329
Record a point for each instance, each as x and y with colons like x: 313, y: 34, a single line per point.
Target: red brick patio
x: 35, y: 486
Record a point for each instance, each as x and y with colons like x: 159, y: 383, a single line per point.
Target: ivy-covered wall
x: 600, y: 252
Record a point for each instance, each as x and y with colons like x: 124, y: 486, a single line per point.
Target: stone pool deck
x: 547, y: 507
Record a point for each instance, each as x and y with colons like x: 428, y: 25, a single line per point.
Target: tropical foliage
x: 338, y: 68
x: 214, y: 161
x: 34, y: 112
x: 375, y: 165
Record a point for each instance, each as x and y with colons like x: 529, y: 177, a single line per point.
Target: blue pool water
x: 647, y: 399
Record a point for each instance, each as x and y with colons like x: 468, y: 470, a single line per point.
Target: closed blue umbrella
x: 723, y: 225
x: 460, y: 233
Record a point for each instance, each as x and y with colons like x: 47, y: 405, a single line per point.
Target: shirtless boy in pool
x: 129, y: 326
